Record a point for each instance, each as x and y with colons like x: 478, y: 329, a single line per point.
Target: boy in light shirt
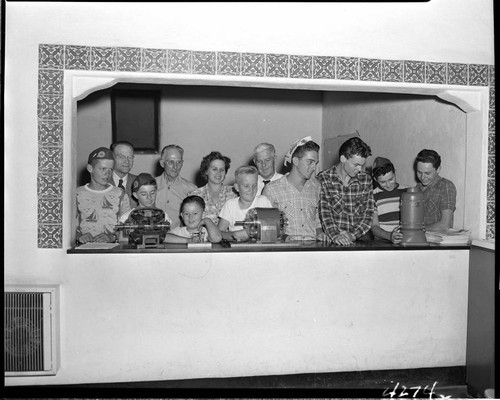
x: 236, y: 209
x: 197, y: 229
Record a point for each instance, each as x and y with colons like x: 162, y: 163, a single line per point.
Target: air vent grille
x: 29, y: 341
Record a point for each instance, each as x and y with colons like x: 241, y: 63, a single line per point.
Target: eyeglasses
x: 172, y: 163
x: 122, y: 157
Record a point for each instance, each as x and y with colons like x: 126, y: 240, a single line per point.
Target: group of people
x: 339, y: 205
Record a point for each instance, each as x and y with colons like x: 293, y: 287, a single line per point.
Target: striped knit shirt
x: 387, y: 206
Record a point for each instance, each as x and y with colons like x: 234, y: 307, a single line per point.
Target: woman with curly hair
x: 213, y: 168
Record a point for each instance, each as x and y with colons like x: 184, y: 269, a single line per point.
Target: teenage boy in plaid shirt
x: 440, y: 194
x: 346, y: 199
x: 297, y: 193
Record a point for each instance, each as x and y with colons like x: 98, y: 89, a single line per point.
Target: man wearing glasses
x: 123, y: 154
x: 172, y: 188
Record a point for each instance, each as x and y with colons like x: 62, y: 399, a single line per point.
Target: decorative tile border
x: 54, y: 59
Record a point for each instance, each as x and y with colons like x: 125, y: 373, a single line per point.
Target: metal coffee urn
x: 412, y: 218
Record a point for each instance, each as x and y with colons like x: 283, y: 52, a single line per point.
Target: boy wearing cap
x: 98, y: 203
x: 387, y: 196
x: 144, y: 189
x: 297, y: 193
x: 346, y: 200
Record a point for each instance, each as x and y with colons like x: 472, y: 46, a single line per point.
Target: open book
x: 454, y: 236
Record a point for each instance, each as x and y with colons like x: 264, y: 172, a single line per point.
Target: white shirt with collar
x: 260, y: 181
x: 116, y: 179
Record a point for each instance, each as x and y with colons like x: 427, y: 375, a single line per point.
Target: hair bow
x: 298, y: 143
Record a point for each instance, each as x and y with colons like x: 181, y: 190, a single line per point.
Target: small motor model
x: 412, y: 218
x: 264, y: 225
x: 146, y: 227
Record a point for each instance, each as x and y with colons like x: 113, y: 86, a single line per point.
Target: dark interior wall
x: 398, y: 126
x: 233, y: 120
x: 201, y: 119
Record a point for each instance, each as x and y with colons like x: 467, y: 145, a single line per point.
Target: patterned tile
x: 277, y: 65
x: 49, y: 185
x: 491, y: 120
x: 492, y: 75
x: 50, y: 81
x: 128, y: 59
x: 51, y: 56
x: 492, y: 98
x: 228, y: 63
x: 154, y: 60
x: 490, y: 190
x: 323, y: 67
x: 490, y: 218
x: 457, y: 74
x: 491, y: 142
x: 103, y: 58
x: 50, y: 159
x: 370, y: 69
x: 179, y: 61
x: 478, y: 75
x: 491, y: 167
x: 50, y: 133
x: 490, y: 231
x: 435, y: 73
x: 252, y: 64
x: 204, y: 62
x: 50, y: 107
x: 392, y: 71
x: 301, y: 67
x: 50, y: 211
x: 414, y: 71
x: 77, y: 57
x: 347, y: 68
x: 49, y: 236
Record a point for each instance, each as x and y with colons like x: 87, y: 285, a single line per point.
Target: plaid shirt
x: 300, y: 208
x: 439, y: 195
x: 345, y: 208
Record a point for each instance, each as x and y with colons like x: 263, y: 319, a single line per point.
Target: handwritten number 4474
x: 404, y: 393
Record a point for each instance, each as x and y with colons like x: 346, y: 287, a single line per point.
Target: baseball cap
x: 143, y: 179
x: 102, y: 153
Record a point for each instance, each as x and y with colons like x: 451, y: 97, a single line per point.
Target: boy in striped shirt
x: 387, y: 195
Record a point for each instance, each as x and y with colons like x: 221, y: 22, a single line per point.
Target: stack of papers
x: 454, y: 236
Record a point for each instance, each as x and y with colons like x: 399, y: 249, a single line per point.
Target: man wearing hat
x: 387, y: 195
x: 123, y: 154
x: 346, y: 199
x: 99, y: 204
x: 296, y: 193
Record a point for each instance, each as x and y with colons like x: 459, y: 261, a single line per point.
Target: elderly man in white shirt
x: 172, y: 188
x: 264, y: 158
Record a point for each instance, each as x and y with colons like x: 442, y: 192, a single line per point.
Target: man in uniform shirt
x: 123, y: 154
x: 264, y: 158
x: 172, y: 188
x: 297, y: 193
x: 440, y: 194
x: 346, y: 201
